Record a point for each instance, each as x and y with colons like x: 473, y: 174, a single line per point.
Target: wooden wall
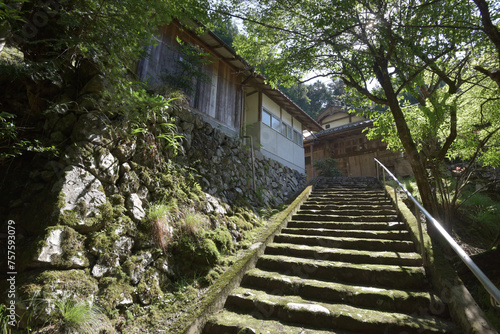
x: 354, y: 154
x: 216, y: 94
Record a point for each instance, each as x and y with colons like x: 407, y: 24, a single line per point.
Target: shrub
x: 327, y: 167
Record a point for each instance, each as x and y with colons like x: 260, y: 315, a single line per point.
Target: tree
x: 59, y: 46
x: 394, y: 43
x: 298, y: 93
x: 492, y: 31
x: 321, y: 96
x: 226, y: 30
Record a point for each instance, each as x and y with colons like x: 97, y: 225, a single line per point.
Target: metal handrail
x: 485, y: 281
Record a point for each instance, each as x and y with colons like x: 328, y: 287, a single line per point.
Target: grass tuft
x: 160, y: 216
x: 79, y: 317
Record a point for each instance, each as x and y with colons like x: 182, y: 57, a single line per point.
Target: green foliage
x: 4, y: 320
x: 226, y: 30
x: 327, y: 167
x: 12, y: 144
x: 151, y: 112
x: 192, y: 223
x: 483, y: 212
x: 79, y: 316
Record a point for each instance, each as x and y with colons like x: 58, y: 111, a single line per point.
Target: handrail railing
x: 485, y: 281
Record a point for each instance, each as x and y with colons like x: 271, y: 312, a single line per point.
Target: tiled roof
x: 341, y: 128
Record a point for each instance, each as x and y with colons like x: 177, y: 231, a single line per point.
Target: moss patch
x: 115, y: 293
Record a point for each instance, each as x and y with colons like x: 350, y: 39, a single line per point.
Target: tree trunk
x: 409, y: 145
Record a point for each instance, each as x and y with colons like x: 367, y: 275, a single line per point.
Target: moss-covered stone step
x: 369, y: 234
x: 358, y: 225
x: 343, y: 190
x: 346, y: 198
x: 341, y: 218
x: 227, y: 322
x: 327, y: 316
x: 345, y: 255
x: 349, y: 212
x: 347, y: 190
x: 348, y: 243
x: 335, y: 206
x: 376, y: 275
x: 361, y: 296
x: 379, y: 196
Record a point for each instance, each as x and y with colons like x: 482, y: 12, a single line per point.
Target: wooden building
x: 343, y: 139
x: 225, y: 90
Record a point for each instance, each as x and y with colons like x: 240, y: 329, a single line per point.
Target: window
x: 296, y: 137
x: 266, y: 118
x: 276, y: 124
x: 286, y: 130
x: 271, y: 120
x: 327, y: 126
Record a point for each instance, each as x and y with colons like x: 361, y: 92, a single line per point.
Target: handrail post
x: 383, y: 177
x: 421, y: 237
x: 395, y: 195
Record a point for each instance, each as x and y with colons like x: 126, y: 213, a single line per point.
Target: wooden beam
x: 259, y: 104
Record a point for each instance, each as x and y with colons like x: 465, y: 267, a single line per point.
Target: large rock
x: 134, y: 205
x: 62, y: 247
x: 80, y: 196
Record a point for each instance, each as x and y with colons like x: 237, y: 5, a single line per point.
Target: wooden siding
x: 354, y: 154
x: 216, y: 94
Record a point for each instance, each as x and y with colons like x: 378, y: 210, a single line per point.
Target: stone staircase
x: 344, y: 264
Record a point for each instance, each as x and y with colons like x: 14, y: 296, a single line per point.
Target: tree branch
x: 256, y: 22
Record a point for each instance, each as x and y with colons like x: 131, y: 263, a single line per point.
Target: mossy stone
x: 115, y: 293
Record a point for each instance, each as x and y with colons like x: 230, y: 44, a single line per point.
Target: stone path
x: 344, y: 264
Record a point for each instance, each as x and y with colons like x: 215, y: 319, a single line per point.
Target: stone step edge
x: 228, y: 322
x: 353, y: 318
x: 391, y: 300
x: 378, y: 275
x: 194, y: 319
x: 348, y: 240
x: 330, y: 232
x: 326, y: 252
x: 388, y: 226
x: 344, y: 265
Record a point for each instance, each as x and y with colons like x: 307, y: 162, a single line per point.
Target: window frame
x: 280, y: 126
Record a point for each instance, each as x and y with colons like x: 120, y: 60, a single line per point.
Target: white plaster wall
x: 280, y: 148
x: 251, y: 111
x: 286, y: 117
x: 270, y: 105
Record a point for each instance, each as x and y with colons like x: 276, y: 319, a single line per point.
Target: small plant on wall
x: 327, y: 167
